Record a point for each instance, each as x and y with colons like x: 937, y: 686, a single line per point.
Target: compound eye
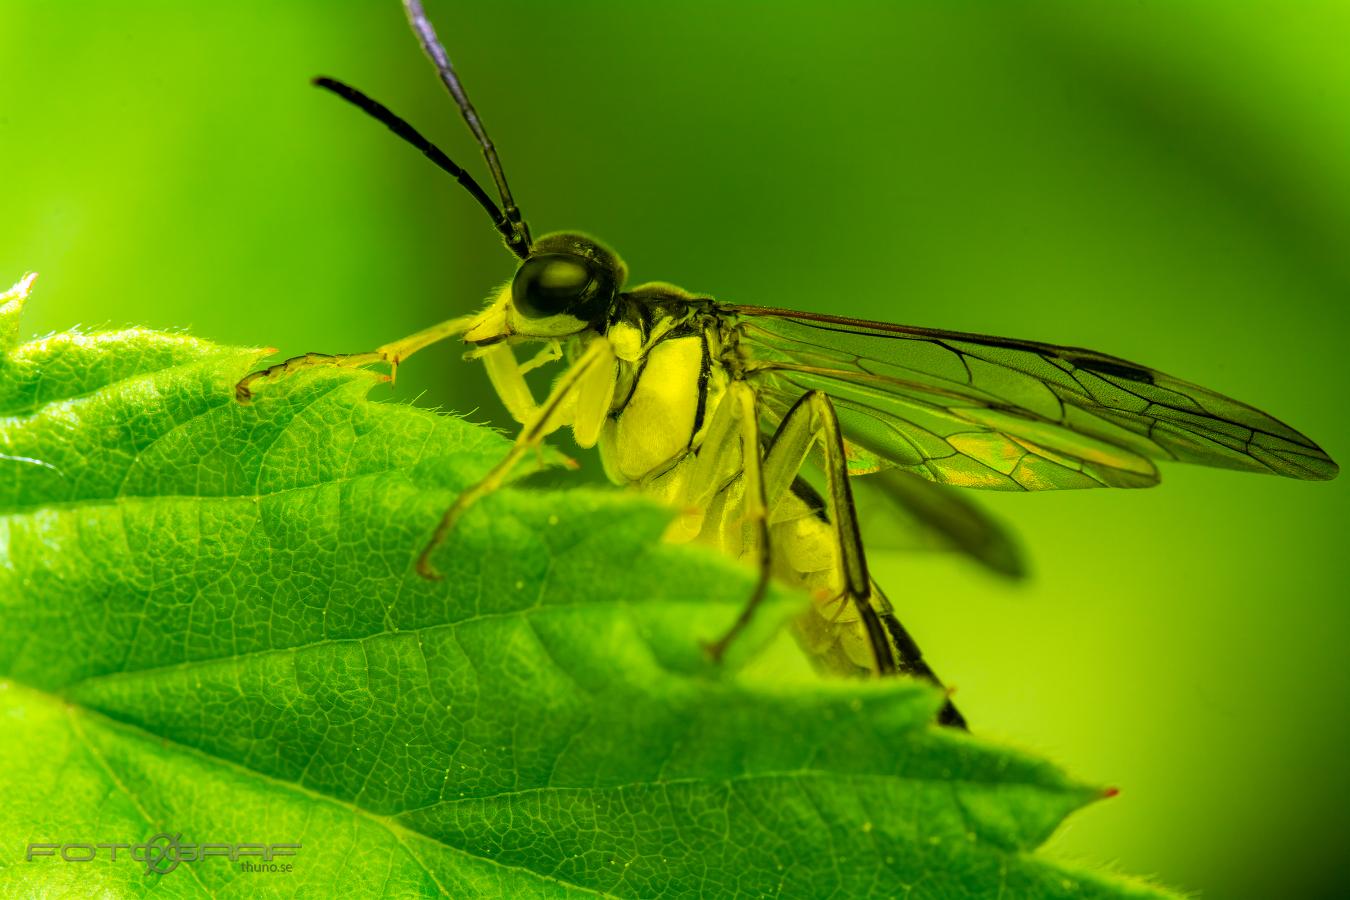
x: 551, y: 284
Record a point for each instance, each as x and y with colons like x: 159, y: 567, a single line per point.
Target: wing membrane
x: 899, y: 511
x: 988, y: 412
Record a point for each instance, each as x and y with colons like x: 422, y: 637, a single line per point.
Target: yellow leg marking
x: 550, y: 352
x: 392, y: 353
x: 545, y: 420
x: 594, y: 396
x: 810, y: 420
x: 396, y: 352
x: 717, y: 460
x: 756, y: 511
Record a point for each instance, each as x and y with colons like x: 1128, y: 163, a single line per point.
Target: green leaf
x: 210, y: 627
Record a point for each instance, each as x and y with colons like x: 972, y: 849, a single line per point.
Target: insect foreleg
x: 393, y: 353
x: 508, y: 380
x: 544, y: 419
x: 589, y: 404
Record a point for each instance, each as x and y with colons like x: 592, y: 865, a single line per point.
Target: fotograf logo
x: 162, y: 853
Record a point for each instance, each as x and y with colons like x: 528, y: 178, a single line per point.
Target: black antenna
x: 376, y: 110
x: 431, y: 45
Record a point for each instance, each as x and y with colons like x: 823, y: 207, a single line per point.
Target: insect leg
x: 592, y: 398
x: 543, y: 420
x: 746, y: 418
x: 393, y: 353
x: 508, y: 380
x: 812, y: 418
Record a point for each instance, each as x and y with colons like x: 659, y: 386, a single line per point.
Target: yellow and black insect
x: 718, y: 408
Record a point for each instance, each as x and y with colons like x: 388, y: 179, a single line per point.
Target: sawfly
x: 718, y: 409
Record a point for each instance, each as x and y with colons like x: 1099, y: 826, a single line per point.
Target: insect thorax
x: 670, y: 379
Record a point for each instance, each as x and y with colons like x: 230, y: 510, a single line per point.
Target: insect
x: 720, y: 408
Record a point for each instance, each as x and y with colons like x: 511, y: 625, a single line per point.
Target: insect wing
x: 900, y: 511
x: 995, y: 413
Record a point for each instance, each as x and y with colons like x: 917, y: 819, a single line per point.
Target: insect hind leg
x: 910, y: 661
x: 812, y: 419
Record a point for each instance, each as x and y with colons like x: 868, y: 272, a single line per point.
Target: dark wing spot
x: 1113, y: 367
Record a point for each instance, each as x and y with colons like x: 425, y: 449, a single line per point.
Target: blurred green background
x: 1165, y: 182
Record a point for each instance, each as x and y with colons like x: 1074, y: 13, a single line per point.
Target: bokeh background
x: 1166, y: 182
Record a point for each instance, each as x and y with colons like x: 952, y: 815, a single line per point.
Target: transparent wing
x: 900, y: 511
x: 995, y: 413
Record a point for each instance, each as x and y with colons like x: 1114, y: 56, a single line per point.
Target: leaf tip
x: 1108, y: 792
x: 17, y: 294
x: 11, y: 307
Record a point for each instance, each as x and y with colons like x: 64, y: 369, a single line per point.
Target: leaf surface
x: 210, y: 627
